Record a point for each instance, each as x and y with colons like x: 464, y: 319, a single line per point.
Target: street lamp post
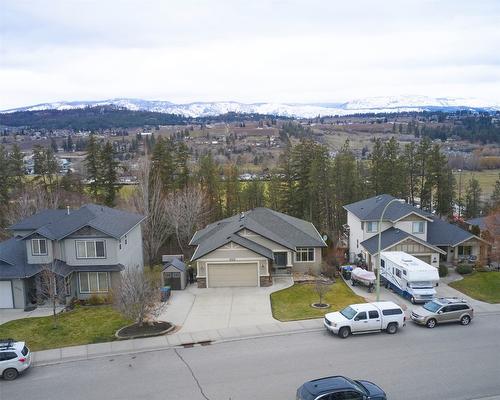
x: 379, y: 245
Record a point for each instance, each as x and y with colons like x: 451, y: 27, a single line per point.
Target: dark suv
x: 441, y: 310
x: 339, y: 388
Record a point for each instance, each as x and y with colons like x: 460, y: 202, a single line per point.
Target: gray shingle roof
x: 371, y: 209
x: 287, y: 231
x: 57, y: 224
x: 175, y: 262
x: 442, y: 233
x: 390, y: 237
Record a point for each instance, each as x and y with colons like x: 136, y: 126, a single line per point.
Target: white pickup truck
x: 366, y: 318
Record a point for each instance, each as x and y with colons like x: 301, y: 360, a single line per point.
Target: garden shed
x: 174, y: 272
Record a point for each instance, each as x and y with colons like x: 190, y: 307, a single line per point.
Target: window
x: 38, y: 247
x: 464, y: 250
x: 304, y: 255
x: 345, y: 395
x: 398, y: 273
x: 7, y: 355
x: 373, y: 314
x: 360, y: 316
x: 280, y: 258
x: 94, y: 282
x: 392, y: 311
x: 417, y: 227
x: 90, y: 249
x: 126, y: 239
x: 372, y: 226
x: 382, y: 263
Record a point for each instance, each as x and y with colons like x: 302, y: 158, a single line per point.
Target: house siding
x: 313, y: 267
x: 111, y: 252
x: 46, y: 259
x: 407, y: 226
x: 131, y: 254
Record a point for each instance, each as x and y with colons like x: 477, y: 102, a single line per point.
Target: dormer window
x: 418, y: 227
x: 39, y: 247
x: 372, y: 226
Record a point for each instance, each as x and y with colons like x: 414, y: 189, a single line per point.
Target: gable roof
x: 280, y: 228
x: 371, y: 209
x: 176, y: 263
x: 392, y: 236
x: 442, y: 233
x: 57, y: 224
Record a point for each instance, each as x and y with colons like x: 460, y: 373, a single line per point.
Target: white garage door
x: 227, y: 275
x: 6, y: 295
x: 426, y: 259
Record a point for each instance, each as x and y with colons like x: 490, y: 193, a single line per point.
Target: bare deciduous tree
x: 50, y: 287
x: 321, y: 287
x: 149, y: 200
x: 185, y: 213
x: 139, y: 296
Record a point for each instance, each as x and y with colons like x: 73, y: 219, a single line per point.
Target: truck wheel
x: 465, y: 320
x: 431, y: 323
x: 344, y: 332
x: 392, y: 328
x: 10, y: 374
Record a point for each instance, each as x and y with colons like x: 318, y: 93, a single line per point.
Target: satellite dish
x: 325, y: 237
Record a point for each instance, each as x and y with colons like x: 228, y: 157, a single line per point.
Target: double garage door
x: 6, y: 294
x: 230, y: 275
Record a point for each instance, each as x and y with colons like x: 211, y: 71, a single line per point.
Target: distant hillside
x: 106, y: 117
x: 382, y: 104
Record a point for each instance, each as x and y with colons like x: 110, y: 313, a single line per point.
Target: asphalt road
x: 448, y: 362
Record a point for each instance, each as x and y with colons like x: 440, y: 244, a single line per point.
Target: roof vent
x: 242, y: 215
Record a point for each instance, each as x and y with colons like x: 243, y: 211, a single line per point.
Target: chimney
x: 67, y: 210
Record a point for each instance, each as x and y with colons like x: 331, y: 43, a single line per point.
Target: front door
x: 280, y: 259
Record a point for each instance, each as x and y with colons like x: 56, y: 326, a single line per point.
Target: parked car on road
x: 339, y: 388
x: 442, y: 310
x: 15, y: 357
x: 366, y: 318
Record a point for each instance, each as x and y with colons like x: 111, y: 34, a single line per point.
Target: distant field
x: 486, y: 178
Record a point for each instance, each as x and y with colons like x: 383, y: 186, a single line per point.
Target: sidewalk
x: 76, y: 353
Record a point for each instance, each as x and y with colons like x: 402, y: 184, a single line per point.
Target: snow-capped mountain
x: 384, y: 104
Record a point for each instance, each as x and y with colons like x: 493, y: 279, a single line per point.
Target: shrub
x: 443, y: 270
x: 464, y: 269
x: 95, y: 300
x: 481, y: 269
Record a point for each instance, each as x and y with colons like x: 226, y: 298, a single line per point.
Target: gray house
x: 249, y: 248
x: 87, y: 248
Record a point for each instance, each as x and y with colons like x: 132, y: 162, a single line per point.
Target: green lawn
x: 484, y: 286
x: 295, y: 302
x: 83, y: 325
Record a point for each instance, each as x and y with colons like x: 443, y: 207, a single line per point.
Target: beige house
x: 409, y: 229
x: 248, y: 249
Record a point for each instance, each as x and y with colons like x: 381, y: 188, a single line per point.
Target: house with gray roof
x: 409, y: 229
x: 87, y: 248
x: 248, y: 249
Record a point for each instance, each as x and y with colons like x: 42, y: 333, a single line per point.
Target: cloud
x: 288, y: 51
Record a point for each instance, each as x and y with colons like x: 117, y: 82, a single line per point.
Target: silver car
x: 15, y: 358
x: 442, y: 310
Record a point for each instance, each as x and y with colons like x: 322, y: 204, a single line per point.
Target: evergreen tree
x: 287, y: 185
x: 252, y: 195
x: 182, y: 158
x: 16, y: 166
x: 108, y: 174
x: 426, y: 182
x: 209, y: 177
x: 473, y: 199
x: 93, y: 166
x: 5, y: 184
x: 376, y: 168
x: 410, y: 170
x: 392, y: 170
x: 232, y: 189
x: 495, y: 196
x: 273, y: 192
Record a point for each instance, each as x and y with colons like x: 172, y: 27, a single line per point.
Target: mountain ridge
x: 380, y: 104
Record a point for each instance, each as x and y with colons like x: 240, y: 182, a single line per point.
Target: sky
x: 288, y: 51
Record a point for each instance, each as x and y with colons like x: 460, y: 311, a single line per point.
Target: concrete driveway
x: 10, y: 314
x: 196, y: 309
